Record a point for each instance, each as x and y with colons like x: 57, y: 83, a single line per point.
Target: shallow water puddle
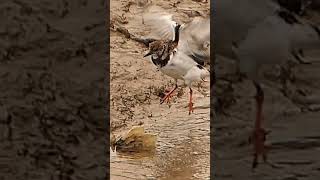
x: 182, y: 146
x: 130, y: 166
x: 180, y: 162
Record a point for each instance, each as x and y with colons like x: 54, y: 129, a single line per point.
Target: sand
x: 182, y: 140
x: 53, y: 63
x: 52, y: 56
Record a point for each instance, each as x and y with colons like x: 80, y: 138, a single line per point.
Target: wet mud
x: 183, y: 140
x: 52, y: 61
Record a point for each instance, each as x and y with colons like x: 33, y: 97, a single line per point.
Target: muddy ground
x: 53, y: 63
x: 52, y: 101
x: 183, y: 140
x: 291, y: 113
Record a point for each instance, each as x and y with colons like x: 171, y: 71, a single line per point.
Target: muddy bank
x: 52, y: 56
x: 183, y: 141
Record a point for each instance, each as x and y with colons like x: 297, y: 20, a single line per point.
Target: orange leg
x: 190, y: 102
x: 259, y: 134
x: 168, y: 95
x: 259, y: 137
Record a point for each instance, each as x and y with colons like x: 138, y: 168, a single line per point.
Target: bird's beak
x: 148, y: 54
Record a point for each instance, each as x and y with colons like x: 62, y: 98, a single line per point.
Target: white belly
x: 172, y: 72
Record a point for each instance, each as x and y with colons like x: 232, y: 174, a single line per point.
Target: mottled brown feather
x: 162, y: 49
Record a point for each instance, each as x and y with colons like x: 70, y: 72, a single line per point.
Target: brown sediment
x: 52, y: 60
x: 136, y: 90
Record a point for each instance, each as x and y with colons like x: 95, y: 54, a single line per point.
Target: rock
x: 134, y: 140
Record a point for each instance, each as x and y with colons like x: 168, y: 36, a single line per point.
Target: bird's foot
x: 258, y: 139
x: 190, y: 107
x: 166, y: 98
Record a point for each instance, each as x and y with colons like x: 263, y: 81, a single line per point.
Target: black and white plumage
x: 182, y: 50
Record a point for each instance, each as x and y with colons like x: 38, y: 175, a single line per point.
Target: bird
x: 269, y: 35
x: 181, y: 50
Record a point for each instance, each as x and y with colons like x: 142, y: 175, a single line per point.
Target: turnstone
x: 182, y: 51
x: 270, y: 35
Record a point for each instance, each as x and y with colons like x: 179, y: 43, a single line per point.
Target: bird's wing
x: 160, y: 22
x: 195, y: 39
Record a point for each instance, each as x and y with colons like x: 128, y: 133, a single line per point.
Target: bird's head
x: 153, y: 48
